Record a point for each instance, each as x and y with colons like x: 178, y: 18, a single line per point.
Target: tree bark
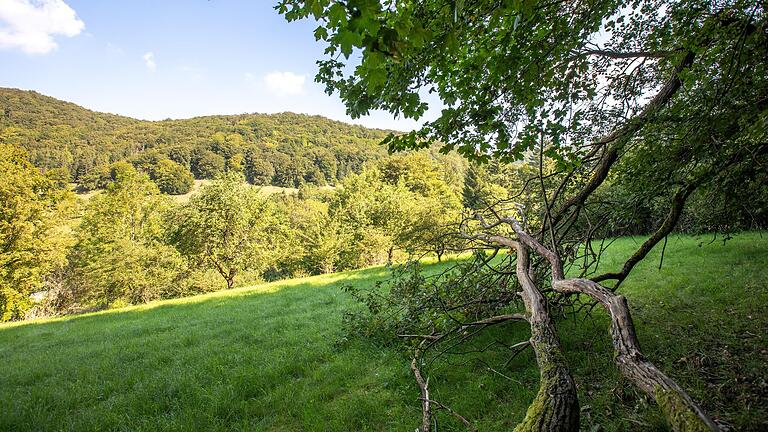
x: 682, y: 413
x: 556, y: 406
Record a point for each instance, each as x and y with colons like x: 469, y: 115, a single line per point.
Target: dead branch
x: 498, y: 319
x: 675, y: 210
x: 423, y: 387
x: 418, y: 336
x: 517, y: 348
x: 484, y: 322
x: 461, y: 418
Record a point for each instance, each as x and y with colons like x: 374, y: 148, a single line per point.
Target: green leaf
x: 348, y: 40
x: 337, y: 15
x: 321, y: 33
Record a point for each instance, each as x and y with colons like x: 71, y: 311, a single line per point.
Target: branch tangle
x: 681, y: 411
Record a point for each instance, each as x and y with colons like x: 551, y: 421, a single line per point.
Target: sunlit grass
x: 273, y: 356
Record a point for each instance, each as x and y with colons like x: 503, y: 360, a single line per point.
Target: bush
x: 172, y: 178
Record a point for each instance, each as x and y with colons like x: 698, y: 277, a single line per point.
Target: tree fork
x: 681, y: 411
x: 556, y: 406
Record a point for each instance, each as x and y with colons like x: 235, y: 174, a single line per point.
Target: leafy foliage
x: 33, y: 235
x: 230, y: 227
x: 300, y: 148
x: 637, y: 104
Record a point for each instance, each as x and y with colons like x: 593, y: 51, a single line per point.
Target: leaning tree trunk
x: 556, y: 406
x: 681, y: 411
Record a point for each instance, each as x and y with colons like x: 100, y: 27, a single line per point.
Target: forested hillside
x: 130, y: 243
x: 282, y: 149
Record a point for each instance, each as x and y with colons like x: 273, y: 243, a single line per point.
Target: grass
x: 273, y: 357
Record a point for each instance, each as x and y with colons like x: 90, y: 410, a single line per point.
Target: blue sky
x: 156, y: 59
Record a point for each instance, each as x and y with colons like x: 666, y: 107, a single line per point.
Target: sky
x: 158, y: 59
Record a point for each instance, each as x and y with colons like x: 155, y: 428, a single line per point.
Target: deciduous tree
x: 34, y: 236
x: 230, y: 227
x: 661, y: 97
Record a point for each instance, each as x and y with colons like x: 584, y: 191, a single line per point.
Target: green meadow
x: 273, y: 357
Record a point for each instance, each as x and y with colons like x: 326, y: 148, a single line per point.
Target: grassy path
x: 272, y: 357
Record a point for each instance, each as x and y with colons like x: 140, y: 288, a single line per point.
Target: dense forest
x: 285, y: 149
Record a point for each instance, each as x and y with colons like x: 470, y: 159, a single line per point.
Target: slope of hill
x: 273, y: 357
x: 282, y: 149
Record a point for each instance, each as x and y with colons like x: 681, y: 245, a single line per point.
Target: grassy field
x: 273, y: 357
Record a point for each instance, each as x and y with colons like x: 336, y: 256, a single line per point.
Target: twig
x: 439, y: 405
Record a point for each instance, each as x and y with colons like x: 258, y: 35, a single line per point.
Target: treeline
x: 130, y: 243
x: 285, y: 149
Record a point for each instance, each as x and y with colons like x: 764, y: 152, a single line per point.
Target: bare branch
x: 461, y: 418
x: 423, y: 387
x: 675, y: 210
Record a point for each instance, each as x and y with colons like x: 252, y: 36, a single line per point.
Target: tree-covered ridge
x: 283, y: 149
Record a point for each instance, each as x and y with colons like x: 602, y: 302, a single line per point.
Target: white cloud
x: 29, y: 25
x: 149, y: 60
x: 284, y: 83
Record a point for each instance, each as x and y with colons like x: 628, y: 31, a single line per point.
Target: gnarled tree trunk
x: 681, y: 411
x: 556, y: 406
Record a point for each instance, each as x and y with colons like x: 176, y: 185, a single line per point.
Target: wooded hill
x: 283, y: 149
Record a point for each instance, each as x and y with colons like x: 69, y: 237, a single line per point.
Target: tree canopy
x: 509, y: 72
x: 637, y: 105
x: 33, y: 234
